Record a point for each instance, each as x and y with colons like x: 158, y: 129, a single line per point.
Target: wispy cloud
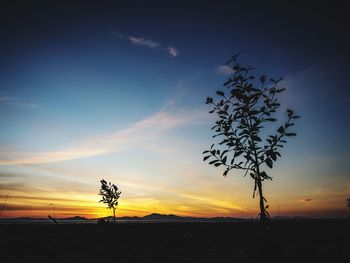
x: 10, y: 101
x: 4, y: 99
x: 24, y: 105
x: 224, y: 70
x: 147, y: 42
x: 139, y: 133
x: 143, y: 42
x: 173, y: 51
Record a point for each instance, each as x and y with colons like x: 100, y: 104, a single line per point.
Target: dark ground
x: 293, y: 241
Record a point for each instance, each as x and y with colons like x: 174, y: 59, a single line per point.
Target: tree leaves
x: 205, y: 158
x: 281, y: 129
x: 291, y: 134
x: 226, y: 171
x: 238, y: 153
x: 268, y: 162
x: 243, y: 114
x: 109, y: 193
x: 209, y: 100
x: 220, y: 93
x: 213, y: 162
x: 256, y: 138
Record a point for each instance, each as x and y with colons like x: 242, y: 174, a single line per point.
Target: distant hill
x: 173, y: 218
x: 155, y: 217
x: 151, y: 217
x: 73, y: 218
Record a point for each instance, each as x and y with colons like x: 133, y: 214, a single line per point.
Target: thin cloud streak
x: 137, y: 134
x: 4, y: 99
x: 143, y: 42
x: 224, y: 70
x: 147, y: 42
x: 10, y: 101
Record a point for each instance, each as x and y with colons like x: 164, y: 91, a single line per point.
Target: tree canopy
x: 244, y: 110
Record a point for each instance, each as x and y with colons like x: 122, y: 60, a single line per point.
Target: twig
x: 3, y: 205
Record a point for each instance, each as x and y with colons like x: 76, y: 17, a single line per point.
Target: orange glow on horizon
x: 41, y: 208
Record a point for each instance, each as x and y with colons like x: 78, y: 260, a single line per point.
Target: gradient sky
x: 92, y: 90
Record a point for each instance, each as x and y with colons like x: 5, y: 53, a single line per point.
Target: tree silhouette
x: 244, y: 113
x: 110, y: 196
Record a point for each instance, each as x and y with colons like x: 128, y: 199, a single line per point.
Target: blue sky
x: 103, y: 90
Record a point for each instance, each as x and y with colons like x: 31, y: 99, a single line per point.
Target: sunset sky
x: 96, y: 90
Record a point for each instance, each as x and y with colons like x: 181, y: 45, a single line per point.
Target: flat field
x: 283, y: 241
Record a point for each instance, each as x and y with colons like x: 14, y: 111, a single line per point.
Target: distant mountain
x: 172, y: 218
x: 74, y: 218
x: 156, y: 216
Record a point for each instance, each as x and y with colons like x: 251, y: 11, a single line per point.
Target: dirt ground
x: 290, y: 241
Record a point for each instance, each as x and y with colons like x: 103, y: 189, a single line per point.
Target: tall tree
x: 244, y: 115
x: 110, y: 196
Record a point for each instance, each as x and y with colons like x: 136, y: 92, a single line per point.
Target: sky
x: 100, y: 89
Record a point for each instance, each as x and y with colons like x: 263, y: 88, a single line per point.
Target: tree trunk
x: 114, y: 221
x: 263, y: 216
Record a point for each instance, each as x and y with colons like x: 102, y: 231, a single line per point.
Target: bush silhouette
x: 110, y: 196
x: 244, y: 112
